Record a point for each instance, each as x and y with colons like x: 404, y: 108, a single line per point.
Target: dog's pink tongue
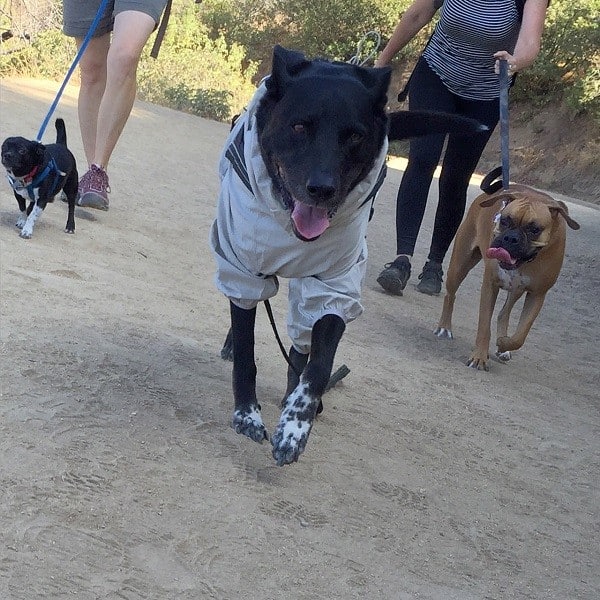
x: 310, y: 221
x: 500, y: 254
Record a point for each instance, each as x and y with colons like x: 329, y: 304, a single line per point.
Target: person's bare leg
x: 93, y: 81
x: 130, y: 33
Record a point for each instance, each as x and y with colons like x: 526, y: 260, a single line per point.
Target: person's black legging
x: 427, y: 92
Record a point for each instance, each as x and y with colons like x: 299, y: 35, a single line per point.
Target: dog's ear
x: 376, y: 81
x: 286, y: 64
x: 506, y: 198
x: 562, y: 210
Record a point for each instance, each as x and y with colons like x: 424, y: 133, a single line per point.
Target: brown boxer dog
x: 520, y: 234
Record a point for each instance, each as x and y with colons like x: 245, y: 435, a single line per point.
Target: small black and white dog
x: 38, y: 172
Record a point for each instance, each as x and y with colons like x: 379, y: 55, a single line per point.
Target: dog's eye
x: 22, y: 151
x: 299, y: 127
x: 355, y: 137
x: 505, y: 222
x: 533, y: 230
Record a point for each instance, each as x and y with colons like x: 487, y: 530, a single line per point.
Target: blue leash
x: 86, y: 41
x: 504, y: 85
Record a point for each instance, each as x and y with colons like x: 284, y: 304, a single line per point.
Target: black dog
x: 299, y: 175
x: 37, y: 173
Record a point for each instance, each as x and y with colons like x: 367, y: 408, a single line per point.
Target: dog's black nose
x: 321, y: 187
x: 511, y: 238
x: 321, y: 192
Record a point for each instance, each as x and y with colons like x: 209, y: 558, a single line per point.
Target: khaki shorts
x: 78, y: 15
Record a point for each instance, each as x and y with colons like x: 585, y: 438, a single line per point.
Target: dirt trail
x: 120, y: 477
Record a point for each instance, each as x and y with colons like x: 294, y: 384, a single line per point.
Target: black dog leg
x: 247, y: 419
x: 300, y: 407
x: 70, y: 190
x: 293, y: 375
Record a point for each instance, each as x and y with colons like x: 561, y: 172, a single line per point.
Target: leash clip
x: 498, y: 216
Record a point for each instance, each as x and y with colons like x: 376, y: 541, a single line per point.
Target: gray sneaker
x: 431, y: 278
x: 94, y: 189
x: 394, y: 276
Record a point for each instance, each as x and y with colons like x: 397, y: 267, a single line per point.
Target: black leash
x: 281, y: 346
x: 335, y: 377
x: 499, y: 177
x: 162, y: 28
x: 504, y: 125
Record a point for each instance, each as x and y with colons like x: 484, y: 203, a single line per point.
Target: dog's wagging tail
x: 299, y: 175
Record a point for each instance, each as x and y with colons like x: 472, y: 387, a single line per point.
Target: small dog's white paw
x: 295, y: 423
x: 442, y: 332
x: 250, y: 424
x: 26, y: 233
x: 21, y: 222
x: 503, y: 356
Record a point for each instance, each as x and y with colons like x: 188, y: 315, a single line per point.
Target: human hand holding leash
x: 513, y: 65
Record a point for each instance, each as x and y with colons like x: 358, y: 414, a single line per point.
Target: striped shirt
x: 464, y: 41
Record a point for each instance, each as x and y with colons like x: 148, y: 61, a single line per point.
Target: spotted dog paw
x: 250, y: 423
x: 20, y: 222
x: 295, y: 423
x: 26, y: 232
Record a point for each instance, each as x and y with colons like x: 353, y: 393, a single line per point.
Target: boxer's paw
x: 444, y: 333
x: 479, y: 361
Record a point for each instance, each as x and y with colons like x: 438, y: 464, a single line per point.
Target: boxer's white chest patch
x: 511, y: 279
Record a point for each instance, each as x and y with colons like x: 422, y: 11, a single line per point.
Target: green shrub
x: 49, y: 55
x: 566, y: 68
x: 568, y: 64
x: 329, y: 28
x: 213, y: 51
x: 194, y: 73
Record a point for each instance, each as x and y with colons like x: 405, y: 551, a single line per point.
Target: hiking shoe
x: 394, y: 276
x: 94, y: 189
x: 431, y: 278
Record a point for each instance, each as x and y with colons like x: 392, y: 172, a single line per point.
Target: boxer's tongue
x: 310, y: 221
x: 500, y: 254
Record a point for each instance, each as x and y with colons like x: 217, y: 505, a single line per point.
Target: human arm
x: 530, y: 37
x: 416, y: 16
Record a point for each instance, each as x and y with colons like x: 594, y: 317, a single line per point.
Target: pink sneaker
x: 94, y: 189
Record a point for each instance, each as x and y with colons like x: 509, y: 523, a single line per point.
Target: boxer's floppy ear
x: 562, y: 210
x: 493, y: 199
